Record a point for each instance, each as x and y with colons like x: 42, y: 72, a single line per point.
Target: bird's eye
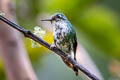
x: 58, y: 16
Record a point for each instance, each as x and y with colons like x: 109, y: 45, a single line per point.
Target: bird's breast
x: 61, y: 33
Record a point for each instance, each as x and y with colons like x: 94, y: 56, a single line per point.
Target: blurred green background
x: 98, y: 30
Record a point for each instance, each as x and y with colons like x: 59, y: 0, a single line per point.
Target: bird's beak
x: 51, y: 20
x: 47, y: 20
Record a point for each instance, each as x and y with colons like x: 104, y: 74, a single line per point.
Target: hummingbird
x: 64, y: 37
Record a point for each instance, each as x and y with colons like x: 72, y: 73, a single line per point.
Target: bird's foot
x: 68, y: 56
x: 52, y: 46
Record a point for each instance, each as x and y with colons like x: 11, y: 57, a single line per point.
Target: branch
x: 32, y: 36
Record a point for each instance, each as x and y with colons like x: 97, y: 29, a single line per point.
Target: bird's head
x: 56, y: 18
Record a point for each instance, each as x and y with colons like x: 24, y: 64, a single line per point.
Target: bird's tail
x: 75, y: 70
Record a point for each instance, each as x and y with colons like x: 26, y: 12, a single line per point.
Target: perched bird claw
x: 52, y: 46
x: 68, y: 56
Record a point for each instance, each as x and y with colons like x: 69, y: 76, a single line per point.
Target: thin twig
x: 32, y: 36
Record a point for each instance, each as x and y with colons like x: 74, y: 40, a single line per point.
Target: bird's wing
x: 74, y: 46
x: 74, y: 50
